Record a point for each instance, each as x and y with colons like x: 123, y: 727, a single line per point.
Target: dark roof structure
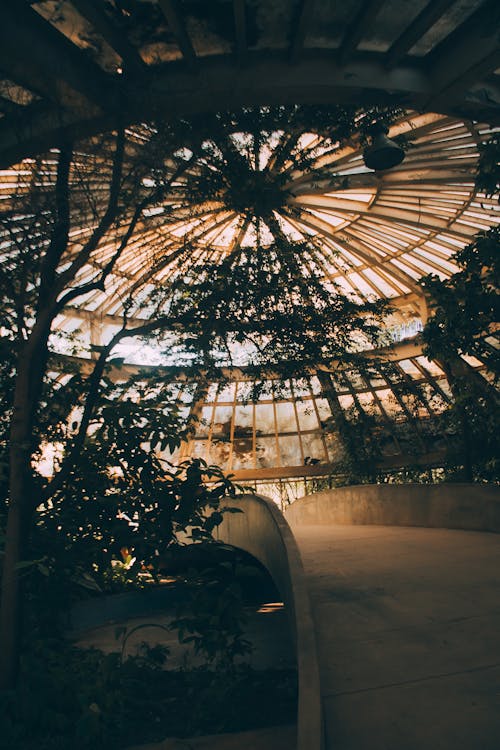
x: 80, y: 65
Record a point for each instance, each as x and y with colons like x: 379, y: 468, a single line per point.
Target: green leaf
x: 86, y: 581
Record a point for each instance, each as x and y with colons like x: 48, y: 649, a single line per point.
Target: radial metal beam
x: 40, y: 58
x: 240, y: 30
x: 358, y: 249
x: 301, y: 28
x: 356, y: 31
x: 78, y: 313
x: 171, y: 11
x: 416, y: 30
x: 112, y: 35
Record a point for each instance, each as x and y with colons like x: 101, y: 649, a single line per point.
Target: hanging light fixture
x: 382, y: 153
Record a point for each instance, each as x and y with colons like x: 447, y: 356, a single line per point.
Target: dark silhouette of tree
x: 64, y: 229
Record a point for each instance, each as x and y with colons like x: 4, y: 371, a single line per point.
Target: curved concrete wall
x: 474, y: 507
x: 262, y: 531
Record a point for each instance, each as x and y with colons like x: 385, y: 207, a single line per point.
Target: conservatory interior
x: 249, y: 303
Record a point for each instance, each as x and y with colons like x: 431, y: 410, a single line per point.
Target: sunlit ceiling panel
x: 373, y: 234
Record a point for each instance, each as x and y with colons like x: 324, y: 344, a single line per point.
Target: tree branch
x: 60, y: 233
x: 107, y: 219
x: 99, y: 283
x: 90, y: 402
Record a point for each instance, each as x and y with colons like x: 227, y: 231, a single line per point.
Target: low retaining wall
x: 474, y: 507
x: 262, y: 531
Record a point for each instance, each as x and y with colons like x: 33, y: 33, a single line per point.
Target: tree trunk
x: 31, y: 366
x: 10, y: 609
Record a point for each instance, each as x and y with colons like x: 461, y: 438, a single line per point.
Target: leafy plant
x: 488, y: 173
x: 212, y: 618
x: 465, y: 310
x: 63, y: 241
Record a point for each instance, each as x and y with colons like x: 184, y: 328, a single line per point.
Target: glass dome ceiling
x: 373, y: 235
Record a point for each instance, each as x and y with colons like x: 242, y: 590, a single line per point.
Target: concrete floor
x: 408, y: 626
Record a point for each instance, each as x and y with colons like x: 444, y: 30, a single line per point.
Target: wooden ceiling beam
x: 402, y: 301
x: 171, y: 11
x: 112, y: 35
x: 171, y: 91
x: 301, y: 27
x: 37, y: 56
x: 416, y: 30
x: 466, y: 56
x: 356, y: 31
x: 399, y: 350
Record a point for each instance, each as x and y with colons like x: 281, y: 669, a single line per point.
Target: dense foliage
x: 111, y: 495
x: 276, y: 311
x: 465, y: 309
x: 488, y: 173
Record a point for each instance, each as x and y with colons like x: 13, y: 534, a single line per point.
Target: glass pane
x: 286, y: 417
x: 308, y: 419
x: 315, y: 385
x: 243, y: 420
x: 244, y: 391
x: 431, y: 367
x: 346, y: 402
x: 264, y: 419
x: 323, y: 407
x: 472, y: 361
x: 282, y: 390
x: 444, y: 385
x: 187, y: 393
x: 355, y: 379
x: 226, y: 393
x: 211, y: 392
x: 290, y: 450
x: 335, y: 448
x: 242, y: 453
x: 313, y: 448
x: 184, y: 412
x: 389, y: 402
x: 222, y: 420
x: 203, y: 425
x: 219, y: 453
x: 410, y: 368
x: 434, y: 399
x: 265, y: 390
x: 366, y: 402
x: 301, y: 387
x: 200, y: 449
x: 266, y: 452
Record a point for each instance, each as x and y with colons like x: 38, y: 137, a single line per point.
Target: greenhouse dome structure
x: 273, y: 172
x: 199, y: 264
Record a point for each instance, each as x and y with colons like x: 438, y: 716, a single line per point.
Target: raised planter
x: 262, y: 531
x: 472, y: 507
